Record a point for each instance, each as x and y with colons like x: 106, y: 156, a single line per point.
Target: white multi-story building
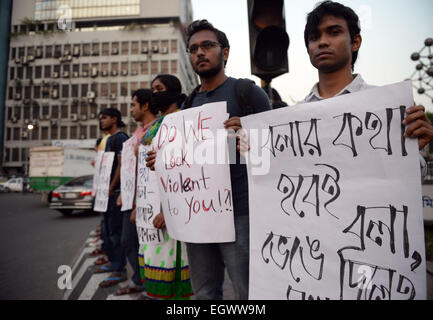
x: 70, y: 59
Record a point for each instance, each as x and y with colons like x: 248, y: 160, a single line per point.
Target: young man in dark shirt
x: 209, y: 49
x: 111, y: 121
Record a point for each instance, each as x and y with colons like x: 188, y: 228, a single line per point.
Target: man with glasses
x: 209, y: 49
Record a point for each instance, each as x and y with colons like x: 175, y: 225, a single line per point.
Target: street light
x: 30, y: 127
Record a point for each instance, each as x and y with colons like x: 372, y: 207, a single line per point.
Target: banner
x: 334, y: 191
x: 148, y: 202
x: 194, y: 175
x: 98, y: 160
x: 127, y: 173
x: 103, y: 189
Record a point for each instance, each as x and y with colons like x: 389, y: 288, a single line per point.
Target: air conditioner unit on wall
x: 74, y: 117
x: 113, y: 96
x: 114, y: 73
x: 76, y: 52
x: 65, y: 74
x: 104, y: 73
x: 91, y: 95
x: 155, y: 49
x: 17, y: 96
x: 144, y: 50
x: 53, y: 122
x: 14, y: 119
x: 164, y: 50
x: 55, y: 75
x: 24, y: 134
x: 93, y: 115
x: 114, y: 51
x: 75, y: 74
x: 83, y: 117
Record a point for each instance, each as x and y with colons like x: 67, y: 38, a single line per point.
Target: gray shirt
x: 260, y: 102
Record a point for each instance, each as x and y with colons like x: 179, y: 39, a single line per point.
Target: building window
x: 15, y: 154
x: 67, y: 50
x: 45, y: 110
x: 93, y: 132
x: 73, y: 132
x: 164, y: 67
x: 54, y: 132
x: 124, y: 89
x: 124, y: 109
x: 83, y: 132
x: 64, y: 112
x: 24, y: 154
x: 13, y: 53
x: 144, y: 84
x: 134, y: 47
x: 115, y: 48
x: 37, y: 92
x: 74, y: 91
x: 155, y: 67
x: 34, y: 134
x: 113, y: 89
x: 84, y: 89
x: 11, y: 73
x: 124, y: 68
x: 173, y: 66
x: 95, y: 49
x: 125, y: 48
x: 74, y: 108
x: 20, y: 73
x: 55, y: 112
x: 11, y: 93
x: 65, y: 91
x: 63, y: 132
x: 85, y: 69
x: 105, y: 49
x: 164, y: 45
x: 21, y: 52
x: 47, y: 72
x: 114, y: 69
x: 57, y: 51
x: 134, y: 87
x: 144, y: 67
x: 104, y: 89
x: 134, y: 68
x: 7, y: 153
x: 38, y: 72
x: 174, y: 46
x: 8, y: 134
x: 44, y: 133
x: 86, y: 49
x: 16, y: 135
x: 29, y: 72
x: 48, y: 52
x: 27, y: 92
x: 36, y: 111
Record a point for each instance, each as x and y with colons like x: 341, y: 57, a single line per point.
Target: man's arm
x: 116, y: 178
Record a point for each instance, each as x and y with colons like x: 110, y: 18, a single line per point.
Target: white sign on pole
x: 103, y: 189
x: 194, y: 176
x: 127, y: 173
x: 98, y: 160
x: 334, y: 192
x: 148, y: 202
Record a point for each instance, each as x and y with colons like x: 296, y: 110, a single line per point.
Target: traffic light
x: 269, y: 40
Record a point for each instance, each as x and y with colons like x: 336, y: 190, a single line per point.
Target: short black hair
x: 199, y: 25
x: 335, y: 9
x: 113, y: 113
x: 143, y: 96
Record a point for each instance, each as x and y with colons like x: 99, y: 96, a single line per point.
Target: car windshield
x: 86, y: 181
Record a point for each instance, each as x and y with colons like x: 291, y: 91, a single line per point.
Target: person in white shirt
x: 332, y: 37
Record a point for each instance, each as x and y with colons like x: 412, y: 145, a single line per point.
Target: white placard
x: 98, y: 160
x: 127, y: 173
x: 102, y: 193
x: 194, y: 175
x: 148, y: 202
x: 334, y: 191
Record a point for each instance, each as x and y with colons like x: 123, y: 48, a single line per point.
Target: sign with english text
x: 334, y: 197
x: 194, y: 176
x: 103, y: 189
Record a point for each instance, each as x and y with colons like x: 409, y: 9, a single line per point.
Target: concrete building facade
x: 70, y: 59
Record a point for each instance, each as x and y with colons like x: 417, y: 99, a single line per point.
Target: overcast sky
x: 391, y: 29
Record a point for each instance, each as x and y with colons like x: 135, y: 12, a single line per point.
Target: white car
x: 14, y: 185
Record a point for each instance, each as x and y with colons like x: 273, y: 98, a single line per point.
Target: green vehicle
x: 53, y: 166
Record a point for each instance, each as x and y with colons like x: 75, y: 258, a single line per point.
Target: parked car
x: 14, y: 185
x: 75, y: 194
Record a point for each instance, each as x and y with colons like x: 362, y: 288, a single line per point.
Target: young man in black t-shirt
x: 111, y: 121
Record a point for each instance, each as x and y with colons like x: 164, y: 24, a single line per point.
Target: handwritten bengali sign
x: 334, y: 191
x: 148, y: 202
x: 102, y: 193
x: 427, y: 203
x: 98, y: 160
x: 127, y: 173
x: 194, y: 176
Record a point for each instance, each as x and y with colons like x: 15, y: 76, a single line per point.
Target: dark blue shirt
x: 238, y: 172
x: 115, y: 144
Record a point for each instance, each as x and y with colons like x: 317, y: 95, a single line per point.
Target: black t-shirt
x: 115, y: 144
x: 238, y: 172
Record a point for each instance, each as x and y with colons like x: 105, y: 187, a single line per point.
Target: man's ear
x: 356, y: 44
x: 145, y: 107
x: 226, y: 53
